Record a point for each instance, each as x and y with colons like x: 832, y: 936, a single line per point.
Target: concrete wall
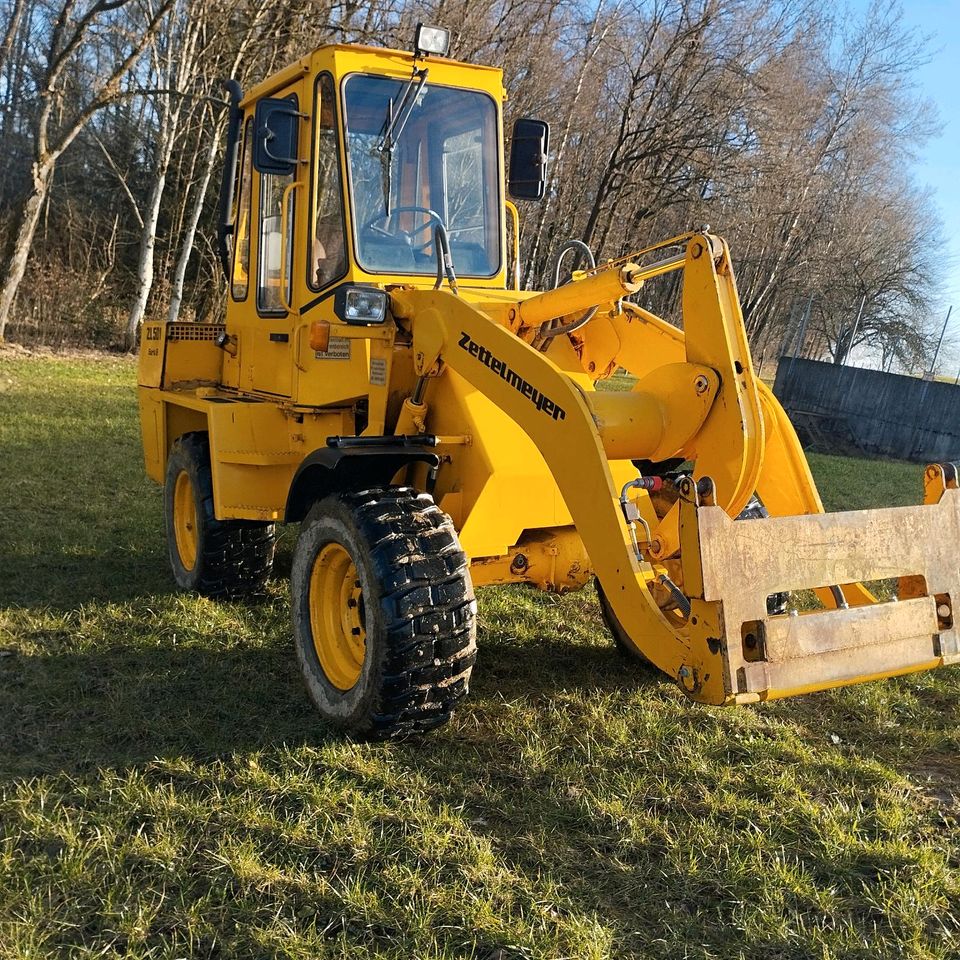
x: 882, y: 414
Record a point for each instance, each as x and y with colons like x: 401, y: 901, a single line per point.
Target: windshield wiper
x: 396, y: 120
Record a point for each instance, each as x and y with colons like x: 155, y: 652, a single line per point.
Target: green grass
x: 166, y: 790
x: 847, y: 483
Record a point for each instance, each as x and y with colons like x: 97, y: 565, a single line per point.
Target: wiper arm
x: 396, y: 120
x: 398, y: 115
x: 385, y: 148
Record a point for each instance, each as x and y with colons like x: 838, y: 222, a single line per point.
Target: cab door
x: 329, y: 375
x: 280, y: 143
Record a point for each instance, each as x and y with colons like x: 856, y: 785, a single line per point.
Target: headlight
x: 431, y: 40
x: 360, y: 305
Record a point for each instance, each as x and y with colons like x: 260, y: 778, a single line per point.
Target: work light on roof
x: 429, y: 39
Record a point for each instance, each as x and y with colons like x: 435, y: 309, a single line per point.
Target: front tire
x: 383, y: 609
x: 621, y: 641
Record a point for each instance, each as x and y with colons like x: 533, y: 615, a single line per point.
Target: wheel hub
x: 337, y: 616
x: 185, y: 520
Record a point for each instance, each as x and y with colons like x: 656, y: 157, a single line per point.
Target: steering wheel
x: 431, y: 217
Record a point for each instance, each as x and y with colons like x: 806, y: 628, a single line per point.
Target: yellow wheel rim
x: 337, y: 616
x: 185, y: 520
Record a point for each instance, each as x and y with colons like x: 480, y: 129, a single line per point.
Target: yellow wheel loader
x: 380, y: 380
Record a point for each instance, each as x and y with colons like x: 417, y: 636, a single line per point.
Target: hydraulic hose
x: 441, y: 241
x: 568, y: 247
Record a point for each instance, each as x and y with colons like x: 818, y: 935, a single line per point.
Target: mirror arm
x: 515, y: 216
x: 270, y: 135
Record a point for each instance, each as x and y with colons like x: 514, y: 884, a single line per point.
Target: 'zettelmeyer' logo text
x: 500, y: 368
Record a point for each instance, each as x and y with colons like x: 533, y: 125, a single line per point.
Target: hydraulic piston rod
x: 579, y: 295
x: 602, y: 286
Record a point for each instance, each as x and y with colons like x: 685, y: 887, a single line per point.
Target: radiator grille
x: 194, y: 331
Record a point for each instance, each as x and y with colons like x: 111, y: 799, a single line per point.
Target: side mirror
x: 276, y: 127
x: 528, y: 159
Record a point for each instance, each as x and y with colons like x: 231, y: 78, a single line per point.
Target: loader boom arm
x: 556, y: 414
x: 705, y: 404
x: 553, y: 411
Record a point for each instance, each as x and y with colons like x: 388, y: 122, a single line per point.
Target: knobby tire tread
x: 428, y: 604
x: 236, y: 558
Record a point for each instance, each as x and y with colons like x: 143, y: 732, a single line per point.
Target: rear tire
x: 218, y: 558
x: 383, y: 609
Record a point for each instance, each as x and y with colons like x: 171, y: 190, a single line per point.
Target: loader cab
x: 349, y: 164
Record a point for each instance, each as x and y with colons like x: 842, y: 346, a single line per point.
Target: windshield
x: 442, y: 168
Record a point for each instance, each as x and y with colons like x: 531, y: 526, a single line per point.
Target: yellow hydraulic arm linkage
x: 697, y: 397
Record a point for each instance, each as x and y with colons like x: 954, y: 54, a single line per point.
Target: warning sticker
x: 337, y: 349
x: 378, y: 371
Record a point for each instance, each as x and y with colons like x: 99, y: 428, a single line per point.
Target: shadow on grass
x: 658, y: 867
x: 133, y: 564
x: 119, y: 705
x: 71, y: 578
x: 79, y: 711
x: 127, y: 703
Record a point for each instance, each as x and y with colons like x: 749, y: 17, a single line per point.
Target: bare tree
x: 174, y: 58
x: 782, y: 123
x: 58, y: 123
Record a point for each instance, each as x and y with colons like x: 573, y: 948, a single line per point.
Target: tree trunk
x: 591, y: 46
x: 28, y: 217
x: 148, y: 246
x: 190, y: 232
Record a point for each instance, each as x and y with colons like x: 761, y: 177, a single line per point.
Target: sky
x: 938, y: 165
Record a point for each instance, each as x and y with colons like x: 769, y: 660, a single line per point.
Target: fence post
x: 856, y: 324
x: 936, y: 353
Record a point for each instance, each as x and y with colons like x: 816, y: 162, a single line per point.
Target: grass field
x: 167, y: 792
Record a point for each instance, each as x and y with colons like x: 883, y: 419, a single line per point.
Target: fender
x: 335, y: 469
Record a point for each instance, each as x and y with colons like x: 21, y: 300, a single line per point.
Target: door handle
x: 284, y: 224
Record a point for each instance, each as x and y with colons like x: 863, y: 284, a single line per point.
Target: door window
x: 275, y: 251
x: 327, y: 260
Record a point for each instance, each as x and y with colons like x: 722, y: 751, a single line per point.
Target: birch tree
x: 174, y: 52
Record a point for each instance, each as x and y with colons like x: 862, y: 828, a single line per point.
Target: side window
x: 240, y: 279
x: 326, y: 255
x: 275, y: 249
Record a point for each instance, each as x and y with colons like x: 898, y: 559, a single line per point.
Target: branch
x: 121, y: 179
x: 11, y: 32
x: 108, y: 92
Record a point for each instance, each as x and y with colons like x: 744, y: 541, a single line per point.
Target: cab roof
x: 447, y: 70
